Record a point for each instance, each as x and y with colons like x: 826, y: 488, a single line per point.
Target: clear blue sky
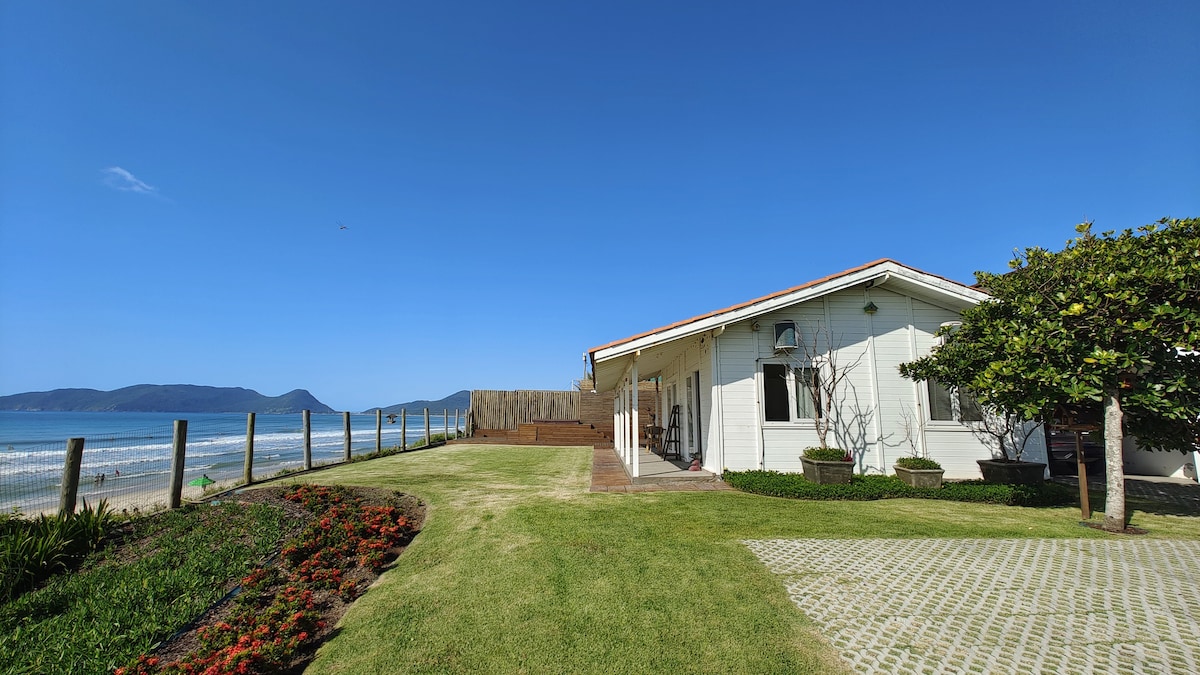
x: 521, y: 181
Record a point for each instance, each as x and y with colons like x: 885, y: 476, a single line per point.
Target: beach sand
x: 131, y: 499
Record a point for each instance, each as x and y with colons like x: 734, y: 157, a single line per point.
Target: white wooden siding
x: 871, y: 407
x: 739, y: 397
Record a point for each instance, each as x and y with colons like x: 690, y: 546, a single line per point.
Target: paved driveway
x: 998, y: 606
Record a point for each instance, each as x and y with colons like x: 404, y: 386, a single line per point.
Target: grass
x: 520, y: 569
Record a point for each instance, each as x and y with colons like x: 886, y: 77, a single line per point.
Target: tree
x: 821, y: 375
x: 1111, y: 323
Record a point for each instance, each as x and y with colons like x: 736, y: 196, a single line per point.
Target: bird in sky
x: 341, y: 226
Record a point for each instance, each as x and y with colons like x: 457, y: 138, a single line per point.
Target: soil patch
x: 1129, y: 529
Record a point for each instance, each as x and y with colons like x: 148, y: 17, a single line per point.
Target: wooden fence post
x: 378, y: 430
x: 346, y: 435
x: 306, y: 422
x: 427, y: 438
x: 456, y: 424
x: 445, y: 425
x: 178, y: 450
x: 248, y: 466
x: 70, y: 479
x: 403, y: 429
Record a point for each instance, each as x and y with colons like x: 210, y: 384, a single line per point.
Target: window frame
x: 959, y: 400
x: 791, y: 386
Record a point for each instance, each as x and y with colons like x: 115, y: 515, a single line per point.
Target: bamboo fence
x: 492, y: 409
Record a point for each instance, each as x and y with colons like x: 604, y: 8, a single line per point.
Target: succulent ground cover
x: 289, y: 605
x: 287, y: 562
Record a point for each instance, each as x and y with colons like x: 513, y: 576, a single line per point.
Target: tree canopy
x: 1112, y: 320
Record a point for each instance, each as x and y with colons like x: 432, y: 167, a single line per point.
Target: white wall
x: 1145, y: 462
x: 739, y: 425
x: 874, y: 402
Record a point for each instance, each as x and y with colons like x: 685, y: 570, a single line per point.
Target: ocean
x: 129, y: 454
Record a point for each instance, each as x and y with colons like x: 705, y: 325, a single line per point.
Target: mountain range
x: 164, y: 398
x: 197, y: 399
x: 459, y: 400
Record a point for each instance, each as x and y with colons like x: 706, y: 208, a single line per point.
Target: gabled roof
x: 882, y: 271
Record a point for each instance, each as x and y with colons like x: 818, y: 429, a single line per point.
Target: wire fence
x: 132, y: 470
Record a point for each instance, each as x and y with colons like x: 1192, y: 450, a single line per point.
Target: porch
x: 610, y: 475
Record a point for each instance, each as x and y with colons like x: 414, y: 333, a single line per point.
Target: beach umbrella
x: 202, y: 481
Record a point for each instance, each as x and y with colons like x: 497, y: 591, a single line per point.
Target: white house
x: 734, y: 375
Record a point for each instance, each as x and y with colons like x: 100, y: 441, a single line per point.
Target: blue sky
x: 521, y: 181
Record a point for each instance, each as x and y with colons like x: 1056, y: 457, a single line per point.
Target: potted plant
x: 1007, y: 467
x: 827, y: 465
x: 919, y: 472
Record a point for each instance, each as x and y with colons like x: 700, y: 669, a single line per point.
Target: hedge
x: 866, y: 488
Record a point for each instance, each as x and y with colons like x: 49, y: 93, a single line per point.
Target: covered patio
x: 608, y: 475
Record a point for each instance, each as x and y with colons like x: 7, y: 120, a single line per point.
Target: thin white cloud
x: 119, y: 179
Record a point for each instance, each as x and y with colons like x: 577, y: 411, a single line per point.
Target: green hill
x: 165, y: 398
x: 459, y: 400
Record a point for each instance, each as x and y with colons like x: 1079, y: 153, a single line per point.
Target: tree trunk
x: 1114, y: 468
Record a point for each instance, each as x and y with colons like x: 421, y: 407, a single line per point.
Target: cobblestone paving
x: 998, y: 606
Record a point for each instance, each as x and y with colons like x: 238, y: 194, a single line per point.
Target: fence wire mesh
x: 31, y: 478
x: 132, y: 469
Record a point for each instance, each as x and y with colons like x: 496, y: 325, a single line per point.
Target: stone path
x: 999, y: 606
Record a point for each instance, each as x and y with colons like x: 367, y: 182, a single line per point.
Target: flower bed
x: 278, y: 618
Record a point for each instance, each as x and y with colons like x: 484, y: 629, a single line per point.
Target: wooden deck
x: 545, y: 433
x: 657, y: 474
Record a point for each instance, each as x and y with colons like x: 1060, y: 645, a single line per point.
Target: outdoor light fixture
x: 870, y: 308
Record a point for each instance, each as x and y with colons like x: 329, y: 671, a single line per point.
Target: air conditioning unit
x: 785, y: 335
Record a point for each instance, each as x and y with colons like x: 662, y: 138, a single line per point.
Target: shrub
x: 866, y: 488
x: 33, y: 549
x: 825, y: 454
x: 917, y: 463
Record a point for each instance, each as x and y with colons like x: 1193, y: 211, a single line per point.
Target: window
x: 786, y: 389
x: 775, y: 392
x: 807, y: 386
x: 946, y: 405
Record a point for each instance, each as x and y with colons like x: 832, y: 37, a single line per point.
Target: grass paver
x: 998, y: 605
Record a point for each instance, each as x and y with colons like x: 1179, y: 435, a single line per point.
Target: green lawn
x: 521, y: 569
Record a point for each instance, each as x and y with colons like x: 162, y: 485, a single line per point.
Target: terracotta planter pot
x: 827, y: 473
x: 1012, y: 473
x: 920, y: 478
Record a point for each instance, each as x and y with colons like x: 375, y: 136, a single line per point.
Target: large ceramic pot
x: 1012, y: 473
x: 825, y: 472
x: 920, y: 478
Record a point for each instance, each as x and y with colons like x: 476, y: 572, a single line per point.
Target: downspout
x: 718, y: 406
x: 760, y: 450
x: 874, y: 366
x: 919, y: 410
